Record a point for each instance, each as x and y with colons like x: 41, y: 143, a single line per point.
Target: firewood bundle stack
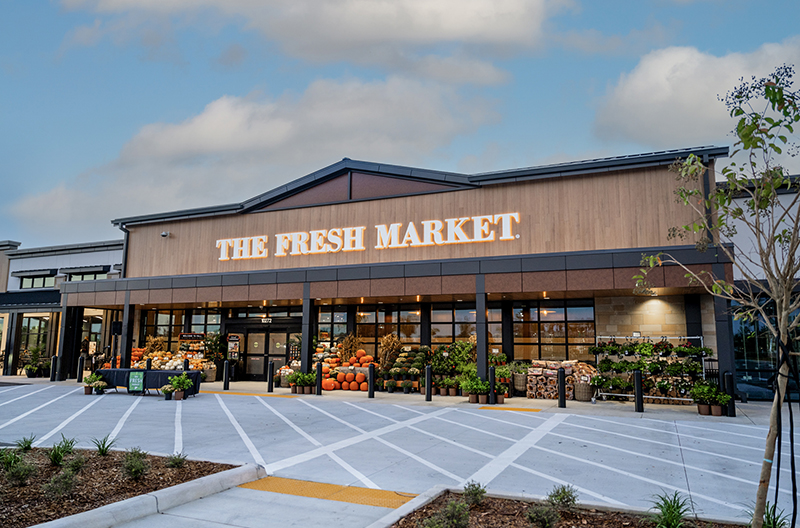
x: 543, y: 378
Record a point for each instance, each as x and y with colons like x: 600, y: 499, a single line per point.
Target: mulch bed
x: 101, y: 481
x: 505, y: 513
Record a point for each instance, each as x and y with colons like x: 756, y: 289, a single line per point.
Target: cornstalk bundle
x: 388, y: 350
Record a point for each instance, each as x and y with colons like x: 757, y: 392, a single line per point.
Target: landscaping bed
x: 507, y: 513
x: 100, y: 480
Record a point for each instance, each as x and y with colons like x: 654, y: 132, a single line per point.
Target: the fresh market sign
x: 465, y: 230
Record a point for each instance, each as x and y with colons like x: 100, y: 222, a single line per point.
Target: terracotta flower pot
x: 87, y: 390
x: 483, y: 398
x: 307, y: 389
x: 294, y: 389
x: 452, y: 391
x: 501, y: 398
x: 178, y: 395
x: 716, y: 410
x: 473, y: 398
x: 704, y: 409
x: 442, y: 391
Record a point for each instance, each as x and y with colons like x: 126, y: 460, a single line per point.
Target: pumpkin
x: 360, y: 377
x: 327, y: 385
x: 349, y: 376
x: 337, y: 385
x: 345, y: 385
x: 340, y: 377
x: 361, y: 353
x: 326, y: 370
x: 354, y: 386
x: 363, y: 360
x: 370, y: 359
x: 364, y: 387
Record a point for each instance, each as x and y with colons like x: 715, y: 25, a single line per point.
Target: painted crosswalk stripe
x: 178, y: 430
x: 246, y: 439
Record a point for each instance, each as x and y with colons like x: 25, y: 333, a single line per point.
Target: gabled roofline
x: 457, y: 180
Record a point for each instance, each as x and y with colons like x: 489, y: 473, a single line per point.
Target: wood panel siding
x: 614, y: 210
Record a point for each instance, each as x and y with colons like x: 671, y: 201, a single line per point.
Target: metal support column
x: 480, y: 327
x: 306, y: 348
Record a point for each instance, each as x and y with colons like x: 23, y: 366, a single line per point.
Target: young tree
x: 753, y: 220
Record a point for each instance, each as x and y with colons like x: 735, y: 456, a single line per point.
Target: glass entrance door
x: 264, y: 344
x: 255, y: 363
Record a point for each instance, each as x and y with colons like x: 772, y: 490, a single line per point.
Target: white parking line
x: 21, y: 416
x: 178, y: 429
x: 26, y: 395
x: 350, y: 469
x: 246, y: 439
x: 499, y: 464
x: 124, y: 418
x: 67, y: 421
x: 12, y: 388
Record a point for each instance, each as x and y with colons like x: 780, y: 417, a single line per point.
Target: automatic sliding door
x: 255, y: 361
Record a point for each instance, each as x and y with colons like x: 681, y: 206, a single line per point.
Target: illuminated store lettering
x: 484, y: 228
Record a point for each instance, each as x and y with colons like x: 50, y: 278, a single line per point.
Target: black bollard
x: 371, y: 393
x: 729, y: 389
x: 148, y: 364
x: 637, y: 391
x: 428, y: 382
x: 58, y: 368
x: 53, y: 362
x: 492, y: 395
x: 270, y: 375
x: 562, y: 389
x: 185, y: 365
x: 319, y: 378
x: 226, y: 376
x: 80, y: 369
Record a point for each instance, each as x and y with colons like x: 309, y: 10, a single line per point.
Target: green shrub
x: 454, y: 515
x: 61, y: 485
x: 563, y: 497
x: 474, y: 493
x: 9, y: 457
x: 671, y: 509
x: 18, y: 473
x: 543, y: 515
x: 77, y: 463
x: 67, y: 445
x: 135, y: 464
x: 56, y: 455
x: 103, y: 445
x: 26, y: 443
x: 773, y: 518
x: 176, y: 461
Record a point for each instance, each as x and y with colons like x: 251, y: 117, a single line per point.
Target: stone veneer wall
x: 652, y: 316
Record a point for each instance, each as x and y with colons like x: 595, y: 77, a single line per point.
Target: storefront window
x: 206, y: 321
x: 34, y: 334
x: 331, y: 324
x: 375, y: 322
x: 452, y: 322
x: 36, y: 282
x: 165, y: 323
x: 545, y: 329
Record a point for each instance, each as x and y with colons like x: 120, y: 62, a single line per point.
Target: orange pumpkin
x: 340, y: 377
x: 349, y: 376
x: 361, y: 353
x: 327, y: 385
x: 326, y: 370
x: 360, y: 378
x: 369, y: 359
x: 337, y: 385
x: 363, y: 361
x: 354, y: 386
x: 364, y: 387
x: 345, y: 385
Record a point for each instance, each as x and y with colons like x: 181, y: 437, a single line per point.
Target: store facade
x: 534, y: 263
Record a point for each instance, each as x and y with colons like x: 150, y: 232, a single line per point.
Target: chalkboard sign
x: 136, y: 382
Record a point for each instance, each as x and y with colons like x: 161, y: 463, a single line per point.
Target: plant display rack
x: 668, y: 371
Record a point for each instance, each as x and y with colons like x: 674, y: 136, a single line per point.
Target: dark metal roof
x: 458, y: 180
x: 89, y: 247
x: 32, y: 299
x: 50, y: 272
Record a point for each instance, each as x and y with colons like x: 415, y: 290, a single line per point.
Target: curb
x: 159, y: 501
x: 431, y: 494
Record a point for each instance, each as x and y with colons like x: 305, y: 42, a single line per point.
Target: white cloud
x: 238, y: 147
x: 446, y: 40
x: 670, y: 98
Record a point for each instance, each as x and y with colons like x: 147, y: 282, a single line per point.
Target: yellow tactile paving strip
x: 266, y: 395
x: 504, y: 408
x: 334, y: 492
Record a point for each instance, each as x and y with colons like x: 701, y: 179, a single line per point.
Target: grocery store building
x: 535, y: 262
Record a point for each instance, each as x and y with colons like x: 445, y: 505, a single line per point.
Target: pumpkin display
x: 360, y: 378
x: 349, y: 376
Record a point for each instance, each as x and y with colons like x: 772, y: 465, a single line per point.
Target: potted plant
x: 500, y: 390
x: 452, y: 387
x: 720, y: 400
x: 413, y: 372
x: 99, y: 387
x: 664, y: 386
x: 88, y: 381
x: 390, y: 385
x: 308, y: 382
x: 45, y: 368
x: 443, y: 385
x: 181, y: 384
x: 703, y: 395
x: 482, y: 390
x: 167, y: 391
x: 395, y: 373
x: 292, y: 380
x: 407, y: 384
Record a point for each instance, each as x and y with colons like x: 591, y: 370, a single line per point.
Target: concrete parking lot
x: 400, y: 443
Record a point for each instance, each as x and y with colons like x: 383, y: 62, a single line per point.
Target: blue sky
x: 112, y: 108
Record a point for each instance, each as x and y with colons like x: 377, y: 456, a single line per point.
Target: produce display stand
x: 153, y: 379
